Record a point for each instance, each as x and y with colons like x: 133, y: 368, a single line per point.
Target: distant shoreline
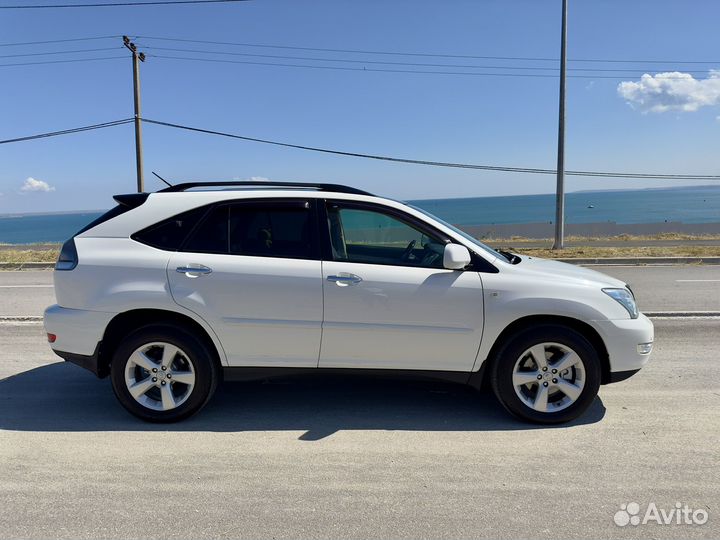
x: 537, y: 231
x: 595, y: 230
x: 582, y: 191
x: 58, y: 213
x: 685, y: 210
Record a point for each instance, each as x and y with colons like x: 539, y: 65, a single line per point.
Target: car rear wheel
x: 163, y: 373
x: 549, y: 374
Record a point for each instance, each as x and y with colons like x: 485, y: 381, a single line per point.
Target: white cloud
x: 672, y: 92
x: 31, y: 184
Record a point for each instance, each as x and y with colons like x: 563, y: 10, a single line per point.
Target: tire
x: 538, y: 395
x: 173, y: 374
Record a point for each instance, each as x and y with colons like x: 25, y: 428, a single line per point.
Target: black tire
x: 195, y: 351
x: 503, y: 366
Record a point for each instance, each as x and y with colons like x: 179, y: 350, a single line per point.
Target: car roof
x: 260, y: 184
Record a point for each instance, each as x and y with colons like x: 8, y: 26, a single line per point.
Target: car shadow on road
x: 62, y: 397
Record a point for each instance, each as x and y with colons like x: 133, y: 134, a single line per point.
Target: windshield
x: 473, y: 240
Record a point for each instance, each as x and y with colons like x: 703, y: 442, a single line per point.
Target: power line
x: 388, y: 70
x: 354, y: 51
x: 62, y: 61
x: 57, y: 41
x: 496, y: 168
x: 426, y: 54
x: 122, y: 4
x: 416, y: 64
x: 68, y: 131
x: 57, y: 52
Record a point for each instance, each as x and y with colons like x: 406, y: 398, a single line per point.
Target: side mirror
x: 455, y: 257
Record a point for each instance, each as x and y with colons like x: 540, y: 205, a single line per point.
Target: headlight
x: 626, y: 298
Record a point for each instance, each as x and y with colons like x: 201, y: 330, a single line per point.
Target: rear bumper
x: 91, y: 363
x: 78, y: 335
x: 624, y: 340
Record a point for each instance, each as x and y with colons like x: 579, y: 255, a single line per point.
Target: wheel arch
x: 123, y: 323
x: 583, y: 328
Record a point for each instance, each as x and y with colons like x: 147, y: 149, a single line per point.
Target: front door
x: 251, y: 269
x: 389, y: 303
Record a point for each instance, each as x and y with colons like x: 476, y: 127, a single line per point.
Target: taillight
x: 51, y: 338
x: 68, y: 258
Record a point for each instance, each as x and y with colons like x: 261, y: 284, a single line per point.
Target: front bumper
x: 623, y: 339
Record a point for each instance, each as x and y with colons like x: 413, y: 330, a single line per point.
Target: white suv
x: 170, y: 292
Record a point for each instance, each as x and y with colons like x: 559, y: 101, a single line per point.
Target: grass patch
x: 618, y: 238
x: 28, y: 255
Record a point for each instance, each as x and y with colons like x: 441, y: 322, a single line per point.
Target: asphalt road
x: 338, y: 458
x: 658, y: 288
x: 343, y: 459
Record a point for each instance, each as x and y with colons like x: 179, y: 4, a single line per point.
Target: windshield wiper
x: 512, y: 259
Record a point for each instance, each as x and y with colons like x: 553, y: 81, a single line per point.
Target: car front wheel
x: 548, y: 374
x: 163, y: 373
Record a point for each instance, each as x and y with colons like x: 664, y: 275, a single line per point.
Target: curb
x: 681, y: 314
x: 639, y: 261
x: 20, y: 318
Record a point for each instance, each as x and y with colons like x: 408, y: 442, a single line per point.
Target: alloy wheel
x: 159, y: 376
x: 549, y: 377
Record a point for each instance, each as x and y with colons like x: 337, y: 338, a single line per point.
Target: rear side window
x: 211, y: 236
x: 171, y: 233
x: 273, y: 229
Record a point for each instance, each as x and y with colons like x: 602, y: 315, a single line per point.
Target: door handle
x: 194, y: 271
x: 343, y: 279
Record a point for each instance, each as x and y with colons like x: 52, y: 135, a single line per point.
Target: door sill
x: 235, y: 374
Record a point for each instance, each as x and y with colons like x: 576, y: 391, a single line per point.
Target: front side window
x: 373, y: 237
x: 258, y: 230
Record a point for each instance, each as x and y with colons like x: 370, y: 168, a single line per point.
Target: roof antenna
x: 161, y: 178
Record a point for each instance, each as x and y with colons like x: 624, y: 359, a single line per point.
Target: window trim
x: 269, y: 203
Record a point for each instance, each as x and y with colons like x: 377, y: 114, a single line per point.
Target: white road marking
x: 26, y: 286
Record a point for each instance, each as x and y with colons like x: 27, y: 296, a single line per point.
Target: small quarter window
x: 170, y: 233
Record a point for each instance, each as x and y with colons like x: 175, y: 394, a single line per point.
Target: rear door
x: 389, y: 303
x: 252, y: 270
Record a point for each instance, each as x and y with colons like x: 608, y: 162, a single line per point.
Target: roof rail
x: 338, y: 188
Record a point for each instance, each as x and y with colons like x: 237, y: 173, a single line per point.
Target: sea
x: 685, y: 204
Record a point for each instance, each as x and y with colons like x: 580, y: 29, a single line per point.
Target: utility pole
x: 137, y: 58
x: 560, y: 194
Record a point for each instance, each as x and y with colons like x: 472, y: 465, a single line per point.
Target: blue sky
x: 486, y: 120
